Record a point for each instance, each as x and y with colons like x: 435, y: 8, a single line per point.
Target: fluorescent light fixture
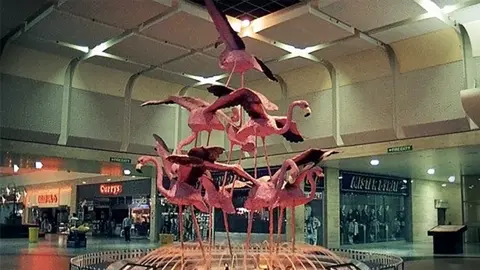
x: 38, y: 165
x: 431, y: 171
x: 444, y: 185
x: 451, y: 179
x: 127, y: 172
x: 15, y: 168
x: 374, y: 162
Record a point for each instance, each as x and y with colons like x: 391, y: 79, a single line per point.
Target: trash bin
x: 33, y: 234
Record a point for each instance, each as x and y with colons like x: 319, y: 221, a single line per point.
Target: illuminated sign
x: 47, y: 199
x: 374, y: 184
x: 113, y: 189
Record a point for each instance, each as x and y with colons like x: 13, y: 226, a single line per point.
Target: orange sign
x: 47, y: 199
x: 113, y: 189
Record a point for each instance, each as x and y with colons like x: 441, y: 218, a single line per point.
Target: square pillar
x: 73, y: 199
x: 154, y: 214
x: 331, y: 206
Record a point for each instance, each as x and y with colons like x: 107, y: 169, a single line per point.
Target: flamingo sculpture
x: 261, y: 124
x: 181, y: 194
x: 234, y: 58
x: 264, y: 194
x: 200, y: 117
x: 291, y: 195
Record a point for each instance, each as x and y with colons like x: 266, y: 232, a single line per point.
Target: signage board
x: 373, y: 184
x: 120, y: 160
x: 398, y: 149
x: 111, y: 189
x: 47, y: 199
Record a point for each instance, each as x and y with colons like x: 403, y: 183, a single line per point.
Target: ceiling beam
x: 433, y: 9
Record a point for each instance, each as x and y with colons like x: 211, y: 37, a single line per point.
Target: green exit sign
x: 397, y: 149
x: 120, y: 160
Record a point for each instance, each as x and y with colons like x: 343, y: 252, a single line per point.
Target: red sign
x: 114, y: 189
x: 47, y: 199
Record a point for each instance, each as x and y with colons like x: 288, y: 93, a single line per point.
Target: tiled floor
x: 51, y: 253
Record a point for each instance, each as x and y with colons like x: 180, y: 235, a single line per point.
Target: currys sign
x: 112, y: 189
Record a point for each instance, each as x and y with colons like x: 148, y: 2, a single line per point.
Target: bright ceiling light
x: 374, y: 162
x: 127, y: 172
x: 444, y: 185
x: 405, y: 181
x: 108, y: 180
x: 431, y: 171
x: 451, y: 179
x: 245, y: 23
x: 38, y: 165
x: 15, y: 168
x: 83, y: 182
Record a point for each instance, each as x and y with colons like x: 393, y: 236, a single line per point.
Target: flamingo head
x: 305, y: 106
x: 141, y: 161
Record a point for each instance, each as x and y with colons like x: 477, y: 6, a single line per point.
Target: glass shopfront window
x: 373, y: 208
x: 314, y: 214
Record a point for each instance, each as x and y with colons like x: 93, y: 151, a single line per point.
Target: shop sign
x: 397, y: 149
x: 120, y: 160
x: 113, y: 189
x: 374, y: 184
x: 47, y: 199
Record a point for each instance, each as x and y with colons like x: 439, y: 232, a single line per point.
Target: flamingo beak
x: 308, y: 112
x: 138, y: 167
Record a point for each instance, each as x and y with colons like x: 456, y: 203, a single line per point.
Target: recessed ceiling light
x: 340, y: 177
x: 83, y: 182
x: 444, y: 185
x: 127, y: 172
x: 38, y: 165
x: 108, y: 180
x: 451, y: 179
x: 405, y: 181
x: 431, y: 171
x: 374, y: 162
x: 245, y: 23
x: 15, y: 168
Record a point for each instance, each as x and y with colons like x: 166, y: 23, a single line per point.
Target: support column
x: 73, y: 199
x: 299, y: 224
x: 66, y: 102
x: 154, y: 214
x: 331, y: 208
x: 335, y: 101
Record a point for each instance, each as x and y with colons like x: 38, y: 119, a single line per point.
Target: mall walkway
x: 51, y: 253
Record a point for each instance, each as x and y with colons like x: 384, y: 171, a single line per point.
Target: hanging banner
x: 373, y: 184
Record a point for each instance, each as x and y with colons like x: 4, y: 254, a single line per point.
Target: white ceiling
x: 178, y: 41
x: 446, y: 162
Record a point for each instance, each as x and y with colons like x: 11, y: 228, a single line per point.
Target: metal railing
x: 101, y: 260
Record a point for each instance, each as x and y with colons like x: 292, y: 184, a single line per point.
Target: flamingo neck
x: 313, y: 186
x: 292, y: 105
x: 163, y: 153
x: 159, y: 176
x: 278, y: 177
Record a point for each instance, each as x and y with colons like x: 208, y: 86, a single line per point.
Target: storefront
x: 373, y: 208
x: 48, y: 207
x: 314, y: 224
x: 105, y: 205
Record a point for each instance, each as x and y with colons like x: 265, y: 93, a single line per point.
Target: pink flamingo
x: 200, y: 117
x: 264, y: 194
x: 234, y: 58
x: 291, y: 195
x: 261, y: 124
x: 181, y: 194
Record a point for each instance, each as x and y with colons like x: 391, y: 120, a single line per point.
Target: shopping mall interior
x: 391, y: 86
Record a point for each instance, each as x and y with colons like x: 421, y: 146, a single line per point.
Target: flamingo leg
x: 196, y: 141
x: 279, y: 230
x: 197, y: 230
x: 292, y: 224
x: 227, y: 230
x: 210, y: 230
x: 180, y: 224
x: 242, y: 76
x: 208, y: 138
x: 186, y: 141
x: 228, y: 161
x: 266, y: 156
x: 247, y: 242
x: 231, y: 73
x: 255, y: 158
x: 270, y: 229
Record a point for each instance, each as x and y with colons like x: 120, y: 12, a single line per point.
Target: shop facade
x: 105, y: 205
x: 48, y: 207
x: 373, y: 208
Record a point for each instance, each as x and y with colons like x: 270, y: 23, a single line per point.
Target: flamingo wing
x: 248, y: 99
x: 312, y: 155
x: 231, y: 39
x: 185, y: 160
x: 219, y: 90
x: 161, y: 142
x: 292, y: 135
x: 188, y: 103
x: 260, y: 66
x: 210, y: 154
